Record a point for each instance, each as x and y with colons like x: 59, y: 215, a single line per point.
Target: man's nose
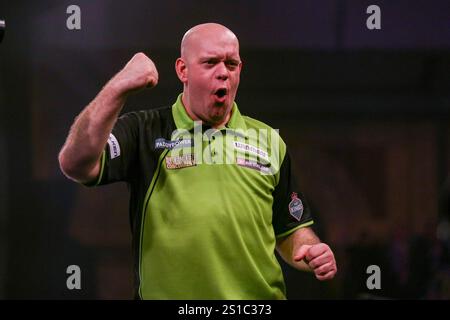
x: 222, y: 71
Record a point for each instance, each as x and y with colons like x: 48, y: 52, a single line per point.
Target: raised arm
x: 80, y: 156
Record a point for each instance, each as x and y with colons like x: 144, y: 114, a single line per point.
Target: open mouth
x: 222, y: 92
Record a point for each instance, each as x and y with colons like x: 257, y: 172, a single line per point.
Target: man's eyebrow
x: 216, y: 58
x: 210, y: 58
x: 234, y: 60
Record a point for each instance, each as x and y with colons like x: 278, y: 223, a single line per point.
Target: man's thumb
x: 301, y: 252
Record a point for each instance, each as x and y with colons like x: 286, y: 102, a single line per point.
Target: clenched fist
x: 140, y: 72
x: 319, y: 258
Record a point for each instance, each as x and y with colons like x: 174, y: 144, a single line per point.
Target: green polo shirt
x: 206, y: 205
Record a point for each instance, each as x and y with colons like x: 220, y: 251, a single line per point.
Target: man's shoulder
x: 157, y: 121
x: 253, y: 123
x: 147, y: 117
x: 149, y: 114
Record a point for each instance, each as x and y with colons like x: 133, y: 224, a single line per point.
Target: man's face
x: 213, y: 68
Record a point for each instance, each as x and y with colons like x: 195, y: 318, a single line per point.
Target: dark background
x: 365, y: 113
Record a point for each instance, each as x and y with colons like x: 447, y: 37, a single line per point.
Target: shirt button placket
x: 213, y: 150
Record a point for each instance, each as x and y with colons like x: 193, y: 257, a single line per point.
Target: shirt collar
x: 183, y: 121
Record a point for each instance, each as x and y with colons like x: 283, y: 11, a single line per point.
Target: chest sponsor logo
x: 178, y: 162
x: 248, y: 148
x: 162, y: 143
x: 114, y: 147
x: 252, y: 165
x: 296, y: 206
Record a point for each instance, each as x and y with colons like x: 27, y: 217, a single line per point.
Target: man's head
x: 209, y: 68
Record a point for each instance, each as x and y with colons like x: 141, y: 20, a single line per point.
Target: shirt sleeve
x: 290, y: 208
x: 120, y: 154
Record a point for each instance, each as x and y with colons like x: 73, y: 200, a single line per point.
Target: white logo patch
x: 251, y: 149
x: 252, y: 165
x: 162, y: 143
x: 114, y: 147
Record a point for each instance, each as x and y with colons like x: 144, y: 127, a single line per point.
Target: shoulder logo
x: 296, y: 206
x: 114, y: 147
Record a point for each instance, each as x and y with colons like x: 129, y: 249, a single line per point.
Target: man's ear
x: 181, y: 69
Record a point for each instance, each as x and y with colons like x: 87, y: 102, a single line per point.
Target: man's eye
x: 232, y: 65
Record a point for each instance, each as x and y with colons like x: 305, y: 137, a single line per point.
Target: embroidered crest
x: 296, y: 206
x: 178, y: 162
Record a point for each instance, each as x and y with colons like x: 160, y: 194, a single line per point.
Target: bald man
x: 201, y: 229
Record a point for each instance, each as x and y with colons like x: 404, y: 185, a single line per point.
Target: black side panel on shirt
x: 136, y: 162
x: 290, y: 208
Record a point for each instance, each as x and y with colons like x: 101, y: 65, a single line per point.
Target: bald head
x: 202, y: 33
x: 209, y: 68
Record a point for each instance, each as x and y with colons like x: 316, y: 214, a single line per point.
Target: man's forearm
x: 89, y: 134
x: 79, y: 157
x: 290, y: 244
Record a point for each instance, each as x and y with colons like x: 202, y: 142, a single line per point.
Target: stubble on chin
x: 217, y: 115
